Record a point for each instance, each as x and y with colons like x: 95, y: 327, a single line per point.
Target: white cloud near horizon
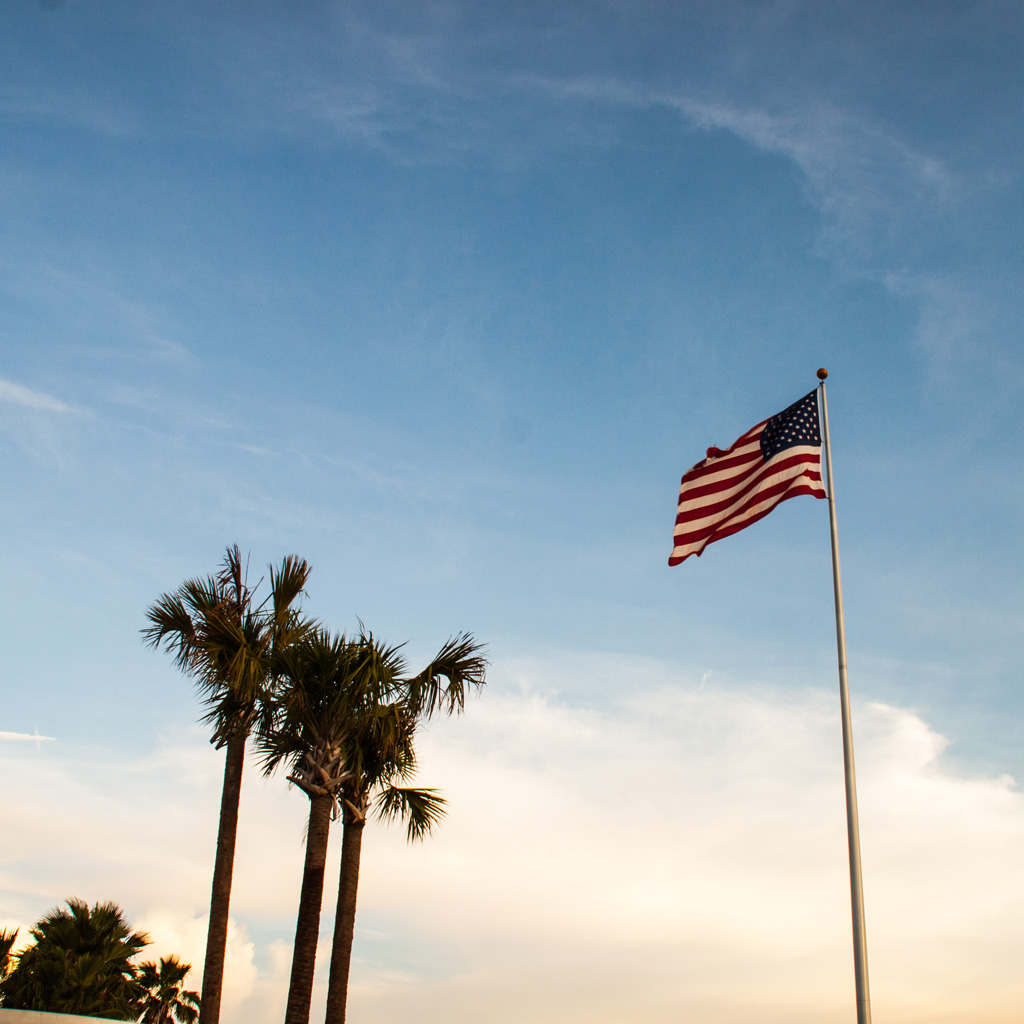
x: 679, y: 852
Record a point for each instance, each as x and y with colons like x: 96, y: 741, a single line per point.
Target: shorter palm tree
x: 166, y: 1001
x: 374, y: 770
x: 7, y: 940
x: 80, y: 963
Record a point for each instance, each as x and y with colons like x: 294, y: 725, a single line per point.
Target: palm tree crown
x: 80, y: 963
x: 225, y: 641
x: 329, y: 690
x: 166, y: 1001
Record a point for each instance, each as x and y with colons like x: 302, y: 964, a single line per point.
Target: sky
x: 445, y: 297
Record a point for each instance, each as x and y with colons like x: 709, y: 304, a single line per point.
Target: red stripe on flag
x: 692, y: 507
x: 750, y: 452
x: 779, y: 492
x: 713, y: 463
x: 728, y: 531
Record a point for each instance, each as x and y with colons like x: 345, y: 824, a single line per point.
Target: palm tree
x: 328, y: 694
x: 373, y: 770
x: 79, y: 963
x: 7, y: 940
x: 166, y: 1001
x: 225, y: 641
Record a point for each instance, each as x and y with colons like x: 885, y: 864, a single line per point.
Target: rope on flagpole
x: 860, y: 947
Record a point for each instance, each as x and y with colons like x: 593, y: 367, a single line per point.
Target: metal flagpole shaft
x: 860, y: 947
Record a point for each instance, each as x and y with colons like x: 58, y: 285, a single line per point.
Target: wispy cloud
x: 969, y: 330
x: 92, y: 304
x: 40, y: 424
x: 865, y: 180
x: 872, y: 188
x: 43, y: 104
x: 15, y: 394
x: 886, y: 208
x: 24, y: 737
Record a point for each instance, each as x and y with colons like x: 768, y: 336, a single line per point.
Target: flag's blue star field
x: 796, y: 425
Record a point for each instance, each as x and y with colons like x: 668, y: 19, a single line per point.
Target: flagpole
x: 860, y: 947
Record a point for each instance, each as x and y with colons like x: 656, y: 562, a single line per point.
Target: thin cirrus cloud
x: 89, y: 111
x: 16, y: 394
x: 886, y: 211
x: 677, y: 851
x: 859, y: 173
x: 24, y: 737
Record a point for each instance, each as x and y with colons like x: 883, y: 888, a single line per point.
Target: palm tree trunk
x: 307, y: 928
x: 223, y: 866
x: 344, y: 922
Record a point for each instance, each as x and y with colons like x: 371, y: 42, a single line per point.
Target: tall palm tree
x: 225, y: 641
x: 373, y: 770
x: 329, y: 693
x: 166, y: 1002
x: 80, y: 963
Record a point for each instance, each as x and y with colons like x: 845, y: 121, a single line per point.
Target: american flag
x: 777, y: 459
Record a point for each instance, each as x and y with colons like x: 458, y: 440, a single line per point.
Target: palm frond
x: 233, y: 578
x: 442, y: 685
x: 287, y: 585
x: 420, y: 809
x: 378, y: 678
x: 7, y: 940
x: 171, y: 626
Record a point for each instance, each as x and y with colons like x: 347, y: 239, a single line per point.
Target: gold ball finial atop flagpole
x: 822, y: 373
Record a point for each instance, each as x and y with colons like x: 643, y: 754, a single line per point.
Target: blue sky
x: 445, y: 298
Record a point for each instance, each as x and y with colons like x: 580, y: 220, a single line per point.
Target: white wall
x: 36, y: 1017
